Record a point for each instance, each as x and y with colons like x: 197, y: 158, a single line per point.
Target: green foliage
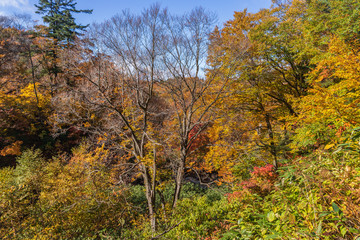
x: 29, y: 168
x: 58, y: 14
x: 200, y: 217
x: 305, y: 203
x: 332, y: 17
x: 21, y: 187
x: 351, y: 143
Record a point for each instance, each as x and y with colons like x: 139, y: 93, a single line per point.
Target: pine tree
x: 58, y: 16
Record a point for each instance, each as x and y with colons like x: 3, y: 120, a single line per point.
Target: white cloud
x: 14, y: 3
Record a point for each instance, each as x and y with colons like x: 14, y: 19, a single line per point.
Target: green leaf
x: 343, y: 231
x: 323, y: 214
x: 319, y: 228
x: 335, y: 207
x: 353, y: 230
x: 230, y: 235
x: 273, y: 236
x: 271, y: 216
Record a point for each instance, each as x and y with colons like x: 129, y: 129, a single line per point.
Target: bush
x: 315, y: 197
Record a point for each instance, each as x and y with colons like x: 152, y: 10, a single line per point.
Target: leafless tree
x: 133, y: 42
x: 191, y: 93
x: 114, y: 95
x: 138, y: 69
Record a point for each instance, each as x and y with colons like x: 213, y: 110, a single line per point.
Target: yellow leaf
x: 329, y: 146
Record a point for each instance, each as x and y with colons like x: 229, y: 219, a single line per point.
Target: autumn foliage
x: 158, y: 126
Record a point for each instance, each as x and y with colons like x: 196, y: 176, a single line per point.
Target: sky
x: 104, y: 9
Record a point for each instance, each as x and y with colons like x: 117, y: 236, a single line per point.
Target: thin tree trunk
x: 272, y: 143
x: 33, y: 76
x: 179, y: 177
x: 150, y: 197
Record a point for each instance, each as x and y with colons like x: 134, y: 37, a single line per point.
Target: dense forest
x: 163, y: 126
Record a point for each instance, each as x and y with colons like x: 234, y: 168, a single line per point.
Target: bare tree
x: 191, y: 93
x: 132, y: 62
x: 133, y: 42
x: 116, y: 91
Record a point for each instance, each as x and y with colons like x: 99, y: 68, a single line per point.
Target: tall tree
x: 62, y: 29
x: 332, y: 104
x: 117, y: 90
x: 191, y: 95
x: 270, y: 75
x: 58, y: 14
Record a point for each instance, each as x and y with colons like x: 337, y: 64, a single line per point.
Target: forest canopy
x: 164, y: 126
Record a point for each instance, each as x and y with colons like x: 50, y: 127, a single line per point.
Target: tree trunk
x: 150, y: 197
x: 273, y: 150
x: 179, y: 177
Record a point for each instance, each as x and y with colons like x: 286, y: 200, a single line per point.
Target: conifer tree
x: 58, y: 16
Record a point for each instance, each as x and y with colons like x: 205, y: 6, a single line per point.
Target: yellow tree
x: 24, y: 103
x: 270, y: 77
x: 332, y: 35
x: 332, y: 105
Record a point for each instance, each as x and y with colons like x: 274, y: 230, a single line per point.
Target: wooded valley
x: 164, y: 126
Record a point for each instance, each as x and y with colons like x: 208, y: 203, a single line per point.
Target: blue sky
x: 104, y: 9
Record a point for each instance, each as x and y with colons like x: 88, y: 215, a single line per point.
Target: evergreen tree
x: 58, y: 15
